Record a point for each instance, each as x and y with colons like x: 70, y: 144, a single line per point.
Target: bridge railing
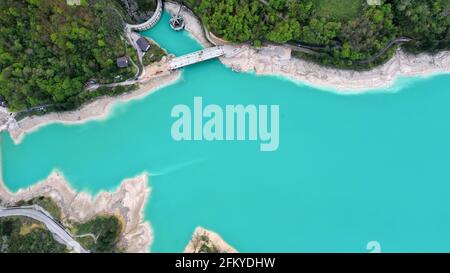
x: 196, y: 57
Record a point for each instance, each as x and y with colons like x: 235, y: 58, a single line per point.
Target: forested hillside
x: 428, y: 22
x: 344, y: 33
x: 25, y: 235
x: 49, y: 50
x: 137, y: 11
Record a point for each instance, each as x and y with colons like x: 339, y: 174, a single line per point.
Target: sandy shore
x: 277, y: 60
x: 129, y: 199
x: 270, y: 60
x: 127, y: 202
x: 206, y: 238
x: 95, y: 110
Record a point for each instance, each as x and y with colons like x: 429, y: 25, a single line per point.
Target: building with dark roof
x: 143, y: 44
x: 122, y: 62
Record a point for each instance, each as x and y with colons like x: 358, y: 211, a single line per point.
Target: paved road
x: 52, y: 225
x: 132, y: 38
x: 386, y: 48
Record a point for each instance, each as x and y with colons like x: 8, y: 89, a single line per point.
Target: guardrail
x: 55, y: 227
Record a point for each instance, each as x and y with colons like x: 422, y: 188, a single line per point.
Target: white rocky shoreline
x: 277, y: 60
x: 269, y: 60
x: 129, y: 199
x: 207, y: 239
x: 127, y: 203
x: 95, y: 110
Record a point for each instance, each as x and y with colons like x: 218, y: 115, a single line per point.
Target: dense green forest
x: 107, y: 228
x: 23, y: 235
x: 49, y: 50
x: 44, y: 202
x: 146, y: 4
x: 342, y: 33
x: 136, y: 11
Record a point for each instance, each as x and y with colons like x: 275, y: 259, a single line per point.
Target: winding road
x: 399, y: 40
x: 132, y: 38
x: 37, y: 213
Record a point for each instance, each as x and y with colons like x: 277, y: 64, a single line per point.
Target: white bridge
x: 150, y: 22
x: 196, y: 57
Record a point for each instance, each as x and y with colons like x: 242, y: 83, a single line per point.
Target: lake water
x: 349, y: 169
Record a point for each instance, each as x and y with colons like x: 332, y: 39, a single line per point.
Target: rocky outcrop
x: 127, y: 202
x: 277, y: 60
x: 206, y: 241
x: 97, y: 109
x: 6, y: 119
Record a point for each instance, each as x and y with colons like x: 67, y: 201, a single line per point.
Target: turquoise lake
x: 349, y: 169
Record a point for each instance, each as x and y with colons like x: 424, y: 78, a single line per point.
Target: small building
x: 143, y: 44
x: 122, y: 62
